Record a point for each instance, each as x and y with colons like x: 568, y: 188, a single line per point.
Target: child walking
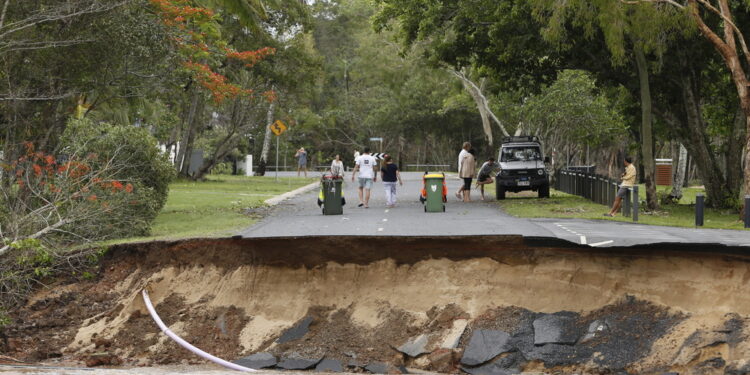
x: 390, y: 176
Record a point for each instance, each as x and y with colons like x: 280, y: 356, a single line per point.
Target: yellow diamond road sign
x: 278, y: 127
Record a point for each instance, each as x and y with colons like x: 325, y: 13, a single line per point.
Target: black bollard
x: 747, y: 211
x: 699, y: 205
x: 626, y: 204
x: 635, y: 203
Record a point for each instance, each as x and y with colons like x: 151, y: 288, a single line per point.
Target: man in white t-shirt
x: 365, y: 165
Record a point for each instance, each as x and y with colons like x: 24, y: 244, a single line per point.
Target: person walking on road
x: 628, y: 181
x: 301, y: 155
x: 390, y: 175
x: 337, y: 167
x: 484, y: 176
x: 464, y: 150
x: 467, y: 172
x: 365, y: 165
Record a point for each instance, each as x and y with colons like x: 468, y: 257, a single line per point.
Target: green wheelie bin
x: 333, y: 201
x: 435, y: 192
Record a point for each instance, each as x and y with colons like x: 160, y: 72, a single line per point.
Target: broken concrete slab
x: 329, y: 365
x: 296, y: 332
x: 298, y: 362
x: 415, y: 346
x: 257, y: 361
x: 453, y: 336
x: 555, y: 329
x: 484, y: 345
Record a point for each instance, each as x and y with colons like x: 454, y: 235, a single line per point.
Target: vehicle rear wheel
x: 544, y: 191
x: 499, y: 191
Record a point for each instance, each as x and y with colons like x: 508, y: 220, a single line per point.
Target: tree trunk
x: 482, y: 105
x: 699, y: 146
x: 647, y: 142
x: 727, y: 48
x: 182, y: 159
x: 679, y: 175
x: 266, y: 141
x: 734, y: 155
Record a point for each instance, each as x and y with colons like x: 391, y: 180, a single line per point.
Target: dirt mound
x: 405, y: 303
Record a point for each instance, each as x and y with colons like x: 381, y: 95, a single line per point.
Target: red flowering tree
x: 205, y: 55
x: 59, y: 202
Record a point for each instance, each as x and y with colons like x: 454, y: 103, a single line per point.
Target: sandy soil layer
x: 665, y: 309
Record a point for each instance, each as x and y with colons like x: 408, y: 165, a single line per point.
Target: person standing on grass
x: 302, y: 161
x: 464, y: 151
x: 390, y: 175
x: 468, y: 171
x: 365, y: 165
x: 485, y: 174
x: 628, y: 181
x: 337, y: 167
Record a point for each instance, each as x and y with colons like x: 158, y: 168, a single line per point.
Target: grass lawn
x: 562, y: 205
x: 215, y: 207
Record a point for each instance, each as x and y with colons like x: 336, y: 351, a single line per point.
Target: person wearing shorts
x: 484, y: 176
x: 467, y: 169
x: 628, y: 181
x: 365, y: 165
x: 464, y: 151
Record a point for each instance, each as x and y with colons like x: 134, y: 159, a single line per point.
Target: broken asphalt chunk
x: 297, y: 362
x: 257, y: 361
x: 296, y: 332
x: 385, y: 368
x: 415, y: 346
x: 484, y: 345
x: 329, y: 365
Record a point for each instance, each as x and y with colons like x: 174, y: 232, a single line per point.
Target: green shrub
x: 140, y: 163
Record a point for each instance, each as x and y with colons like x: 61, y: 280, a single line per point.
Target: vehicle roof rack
x: 520, y: 138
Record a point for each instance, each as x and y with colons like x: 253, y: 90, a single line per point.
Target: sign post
x: 278, y: 128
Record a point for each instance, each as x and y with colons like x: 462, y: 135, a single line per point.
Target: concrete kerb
x: 290, y: 194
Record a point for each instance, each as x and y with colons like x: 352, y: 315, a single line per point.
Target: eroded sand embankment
x: 659, y: 308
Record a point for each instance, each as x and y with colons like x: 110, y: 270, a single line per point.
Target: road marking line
x: 380, y: 229
x: 386, y: 211
x: 601, y: 243
x: 583, y: 240
x: 385, y: 219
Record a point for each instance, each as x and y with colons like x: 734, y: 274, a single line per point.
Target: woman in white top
x: 337, y: 167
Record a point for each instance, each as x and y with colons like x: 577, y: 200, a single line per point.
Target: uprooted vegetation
x: 481, y: 305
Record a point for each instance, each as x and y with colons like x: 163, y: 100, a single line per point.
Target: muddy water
x: 668, y: 307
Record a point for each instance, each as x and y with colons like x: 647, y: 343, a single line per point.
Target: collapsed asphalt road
x: 484, y: 305
x: 301, y: 216
x: 393, y: 291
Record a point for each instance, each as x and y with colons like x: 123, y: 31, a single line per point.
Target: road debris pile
x: 480, y: 305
